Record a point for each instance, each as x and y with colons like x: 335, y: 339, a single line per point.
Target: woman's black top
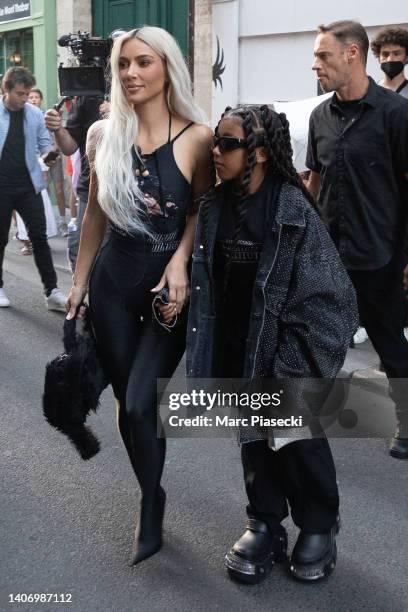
x: 234, y: 297
x: 166, y: 198
x: 134, y: 262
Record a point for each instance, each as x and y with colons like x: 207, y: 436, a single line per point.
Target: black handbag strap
x: 69, y: 334
x: 69, y: 329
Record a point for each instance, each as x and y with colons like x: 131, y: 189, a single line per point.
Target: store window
x: 16, y: 49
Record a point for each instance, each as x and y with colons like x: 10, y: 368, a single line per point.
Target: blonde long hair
x: 118, y: 193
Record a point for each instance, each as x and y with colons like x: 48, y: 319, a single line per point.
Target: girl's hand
x: 176, y: 279
x: 75, y: 298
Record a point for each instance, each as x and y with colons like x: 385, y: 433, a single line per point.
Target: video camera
x: 86, y: 74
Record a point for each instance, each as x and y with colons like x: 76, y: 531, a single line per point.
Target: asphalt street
x: 67, y: 525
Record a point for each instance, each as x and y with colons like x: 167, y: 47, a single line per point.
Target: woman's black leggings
x: 133, y: 354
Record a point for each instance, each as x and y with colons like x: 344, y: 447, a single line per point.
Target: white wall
x: 272, y: 16
x: 226, y: 30
x: 269, y: 52
x: 72, y: 15
x: 278, y: 67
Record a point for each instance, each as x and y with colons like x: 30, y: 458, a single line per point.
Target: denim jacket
x: 37, y: 138
x: 304, y: 309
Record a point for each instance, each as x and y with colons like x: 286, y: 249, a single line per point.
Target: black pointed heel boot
x: 314, y: 555
x: 252, y: 557
x: 148, y: 536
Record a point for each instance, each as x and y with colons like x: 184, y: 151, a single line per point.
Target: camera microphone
x: 64, y: 40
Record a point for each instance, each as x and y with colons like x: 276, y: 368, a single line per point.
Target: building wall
x: 203, y: 54
x: 72, y: 16
x: 43, y: 24
x: 268, y: 45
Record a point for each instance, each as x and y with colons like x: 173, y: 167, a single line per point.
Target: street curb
x: 371, y: 379
x: 61, y: 268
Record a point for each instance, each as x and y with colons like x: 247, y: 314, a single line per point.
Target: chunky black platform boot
x: 252, y: 557
x: 399, y: 444
x: 314, y: 555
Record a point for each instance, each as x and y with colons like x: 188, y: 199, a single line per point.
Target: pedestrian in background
x: 22, y: 135
x: 358, y: 157
x: 74, y: 172
x: 83, y: 113
x: 50, y: 223
x: 55, y: 171
x: 390, y: 47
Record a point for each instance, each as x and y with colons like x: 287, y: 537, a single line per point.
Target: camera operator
x: 87, y: 81
x: 85, y: 111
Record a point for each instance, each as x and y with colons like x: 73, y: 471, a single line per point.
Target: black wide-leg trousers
x: 301, y: 473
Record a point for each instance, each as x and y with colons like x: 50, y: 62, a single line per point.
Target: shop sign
x: 10, y: 11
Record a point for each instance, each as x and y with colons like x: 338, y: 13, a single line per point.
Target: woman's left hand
x: 175, y: 278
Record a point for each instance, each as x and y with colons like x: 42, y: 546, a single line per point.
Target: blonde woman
x: 150, y: 161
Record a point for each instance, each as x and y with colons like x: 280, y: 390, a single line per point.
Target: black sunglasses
x: 229, y: 143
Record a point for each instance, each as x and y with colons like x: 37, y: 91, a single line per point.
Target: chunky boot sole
x: 394, y: 452
x: 250, y: 572
x: 315, y: 571
x: 397, y: 455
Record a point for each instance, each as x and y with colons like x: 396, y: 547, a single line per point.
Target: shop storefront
x: 173, y: 15
x: 28, y: 38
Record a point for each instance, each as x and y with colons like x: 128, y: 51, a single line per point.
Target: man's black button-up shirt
x: 362, y: 161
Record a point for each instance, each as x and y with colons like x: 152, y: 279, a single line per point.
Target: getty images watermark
x: 218, y: 400
x: 318, y: 407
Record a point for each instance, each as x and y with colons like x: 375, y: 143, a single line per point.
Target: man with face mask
x: 358, y: 157
x: 390, y: 47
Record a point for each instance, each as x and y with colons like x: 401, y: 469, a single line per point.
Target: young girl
x: 149, y: 160
x: 270, y: 298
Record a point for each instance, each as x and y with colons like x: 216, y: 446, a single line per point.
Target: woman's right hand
x: 167, y: 311
x: 75, y: 298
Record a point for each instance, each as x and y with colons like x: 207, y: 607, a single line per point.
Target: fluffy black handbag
x: 74, y: 382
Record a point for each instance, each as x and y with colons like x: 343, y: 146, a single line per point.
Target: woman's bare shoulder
x: 201, y: 139
x: 202, y: 133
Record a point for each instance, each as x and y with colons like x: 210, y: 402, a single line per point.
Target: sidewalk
x: 58, y: 246
x: 362, y: 364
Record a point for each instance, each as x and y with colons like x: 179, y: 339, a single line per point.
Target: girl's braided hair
x: 262, y: 127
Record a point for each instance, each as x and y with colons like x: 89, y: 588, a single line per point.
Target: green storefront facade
x: 173, y: 15
x: 28, y: 34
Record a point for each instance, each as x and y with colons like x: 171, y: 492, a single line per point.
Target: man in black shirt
x: 358, y: 157
x: 22, y: 135
x: 84, y: 112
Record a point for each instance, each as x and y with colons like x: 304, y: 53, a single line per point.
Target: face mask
x: 392, y: 69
